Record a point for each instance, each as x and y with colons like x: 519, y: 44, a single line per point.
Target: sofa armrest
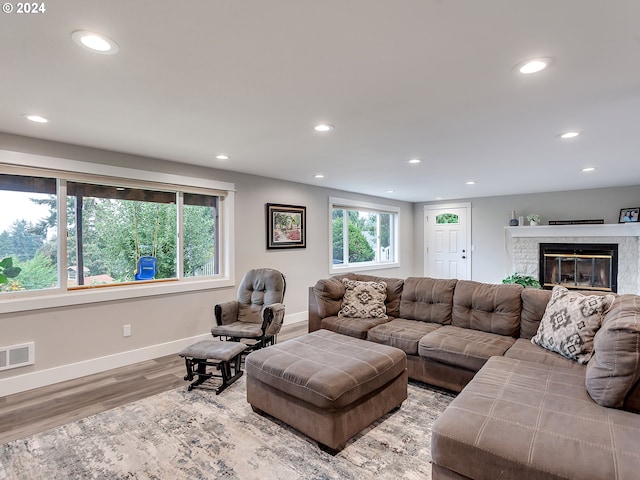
x: 272, y: 318
x: 226, y: 312
x: 314, y: 315
x: 329, y: 293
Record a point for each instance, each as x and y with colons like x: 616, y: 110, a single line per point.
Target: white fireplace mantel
x: 605, y: 230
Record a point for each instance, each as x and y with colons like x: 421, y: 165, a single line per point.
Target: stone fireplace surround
x: 523, y: 248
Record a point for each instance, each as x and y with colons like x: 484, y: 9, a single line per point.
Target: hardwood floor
x: 26, y: 413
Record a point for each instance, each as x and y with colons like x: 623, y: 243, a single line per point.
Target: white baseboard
x: 42, y: 378
x: 296, y: 318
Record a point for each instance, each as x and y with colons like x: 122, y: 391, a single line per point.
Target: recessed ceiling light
x: 588, y: 169
x: 534, y: 65
x: 414, y: 161
x: 323, y: 127
x: 222, y: 156
x: 36, y: 118
x: 471, y: 182
x: 95, y: 42
x: 569, y: 134
x: 438, y: 198
x: 318, y: 175
x: 390, y: 191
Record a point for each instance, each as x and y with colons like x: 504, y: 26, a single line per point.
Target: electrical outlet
x: 126, y: 330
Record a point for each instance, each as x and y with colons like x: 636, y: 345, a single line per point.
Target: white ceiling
x: 399, y: 79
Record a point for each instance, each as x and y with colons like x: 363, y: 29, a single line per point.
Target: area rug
x: 200, y: 435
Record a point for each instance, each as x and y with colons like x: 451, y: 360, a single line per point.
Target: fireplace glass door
x: 579, y: 267
x: 585, y: 272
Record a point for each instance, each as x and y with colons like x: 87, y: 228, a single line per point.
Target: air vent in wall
x: 16, y: 356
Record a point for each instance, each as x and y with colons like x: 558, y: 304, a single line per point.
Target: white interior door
x: 447, y: 239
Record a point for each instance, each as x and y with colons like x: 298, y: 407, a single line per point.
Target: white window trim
x: 335, y: 202
x: 60, y: 297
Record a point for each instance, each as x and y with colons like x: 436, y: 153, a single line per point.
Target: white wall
x: 491, y: 214
x: 87, y: 338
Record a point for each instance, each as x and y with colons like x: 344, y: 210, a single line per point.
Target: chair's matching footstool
x: 326, y: 385
x: 224, y: 356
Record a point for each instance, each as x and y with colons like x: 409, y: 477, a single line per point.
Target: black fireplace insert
x: 579, y: 266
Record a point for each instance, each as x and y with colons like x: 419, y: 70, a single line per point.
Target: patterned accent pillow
x: 570, y: 322
x: 363, y: 299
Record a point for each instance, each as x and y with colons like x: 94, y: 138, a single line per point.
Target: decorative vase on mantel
x: 533, y: 223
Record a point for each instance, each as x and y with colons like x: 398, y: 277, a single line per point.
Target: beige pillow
x: 570, y: 322
x: 615, y: 366
x: 363, y: 299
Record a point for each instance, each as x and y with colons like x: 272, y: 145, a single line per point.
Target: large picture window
x: 114, y: 233
x: 363, y: 235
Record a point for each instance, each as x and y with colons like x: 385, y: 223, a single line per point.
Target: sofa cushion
x: 570, y: 322
x: 615, y: 366
x: 427, y: 299
x: 534, y: 303
x: 524, y: 420
x: 353, y: 327
x: 525, y: 350
x: 363, y: 299
x: 401, y: 333
x: 486, y: 307
x: 462, y: 347
x: 394, y: 291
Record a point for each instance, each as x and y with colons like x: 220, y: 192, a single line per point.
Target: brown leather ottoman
x: 326, y: 385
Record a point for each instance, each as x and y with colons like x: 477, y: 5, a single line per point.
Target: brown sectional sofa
x: 522, y: 411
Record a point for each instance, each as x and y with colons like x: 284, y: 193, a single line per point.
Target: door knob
x: 464, y: 256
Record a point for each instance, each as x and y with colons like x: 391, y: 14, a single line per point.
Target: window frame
x: 348, y: 204
x: 72, y: 170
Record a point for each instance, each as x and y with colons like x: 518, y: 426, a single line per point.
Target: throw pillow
x: 363, y: 299
x: 615, y: 366
x: 570, y: 322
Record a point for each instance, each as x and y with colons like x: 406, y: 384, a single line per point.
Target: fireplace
x: 580, y: 266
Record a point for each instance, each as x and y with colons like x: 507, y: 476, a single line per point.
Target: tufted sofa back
x: 428, y: 299
x: 486, y: 307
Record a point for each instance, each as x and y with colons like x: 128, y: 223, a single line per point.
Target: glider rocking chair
x: 257, y: 314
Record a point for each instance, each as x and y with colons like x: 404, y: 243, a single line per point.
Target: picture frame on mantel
x: 286, y: 226
x: 628, y: 215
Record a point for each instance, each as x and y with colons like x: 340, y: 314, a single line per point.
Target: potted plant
x: 534, y: 219
x: 524, y: 280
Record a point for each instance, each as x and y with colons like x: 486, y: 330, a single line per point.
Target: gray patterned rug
x: 198, y: 435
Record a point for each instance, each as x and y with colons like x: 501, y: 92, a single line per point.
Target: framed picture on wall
x: 629, y: 214
x: 286, y: 226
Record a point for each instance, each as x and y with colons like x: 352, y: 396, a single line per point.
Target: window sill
x: 25, y: 301
x: 335, y: 269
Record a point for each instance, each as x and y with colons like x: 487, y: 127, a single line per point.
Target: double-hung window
x: 364, y: 236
